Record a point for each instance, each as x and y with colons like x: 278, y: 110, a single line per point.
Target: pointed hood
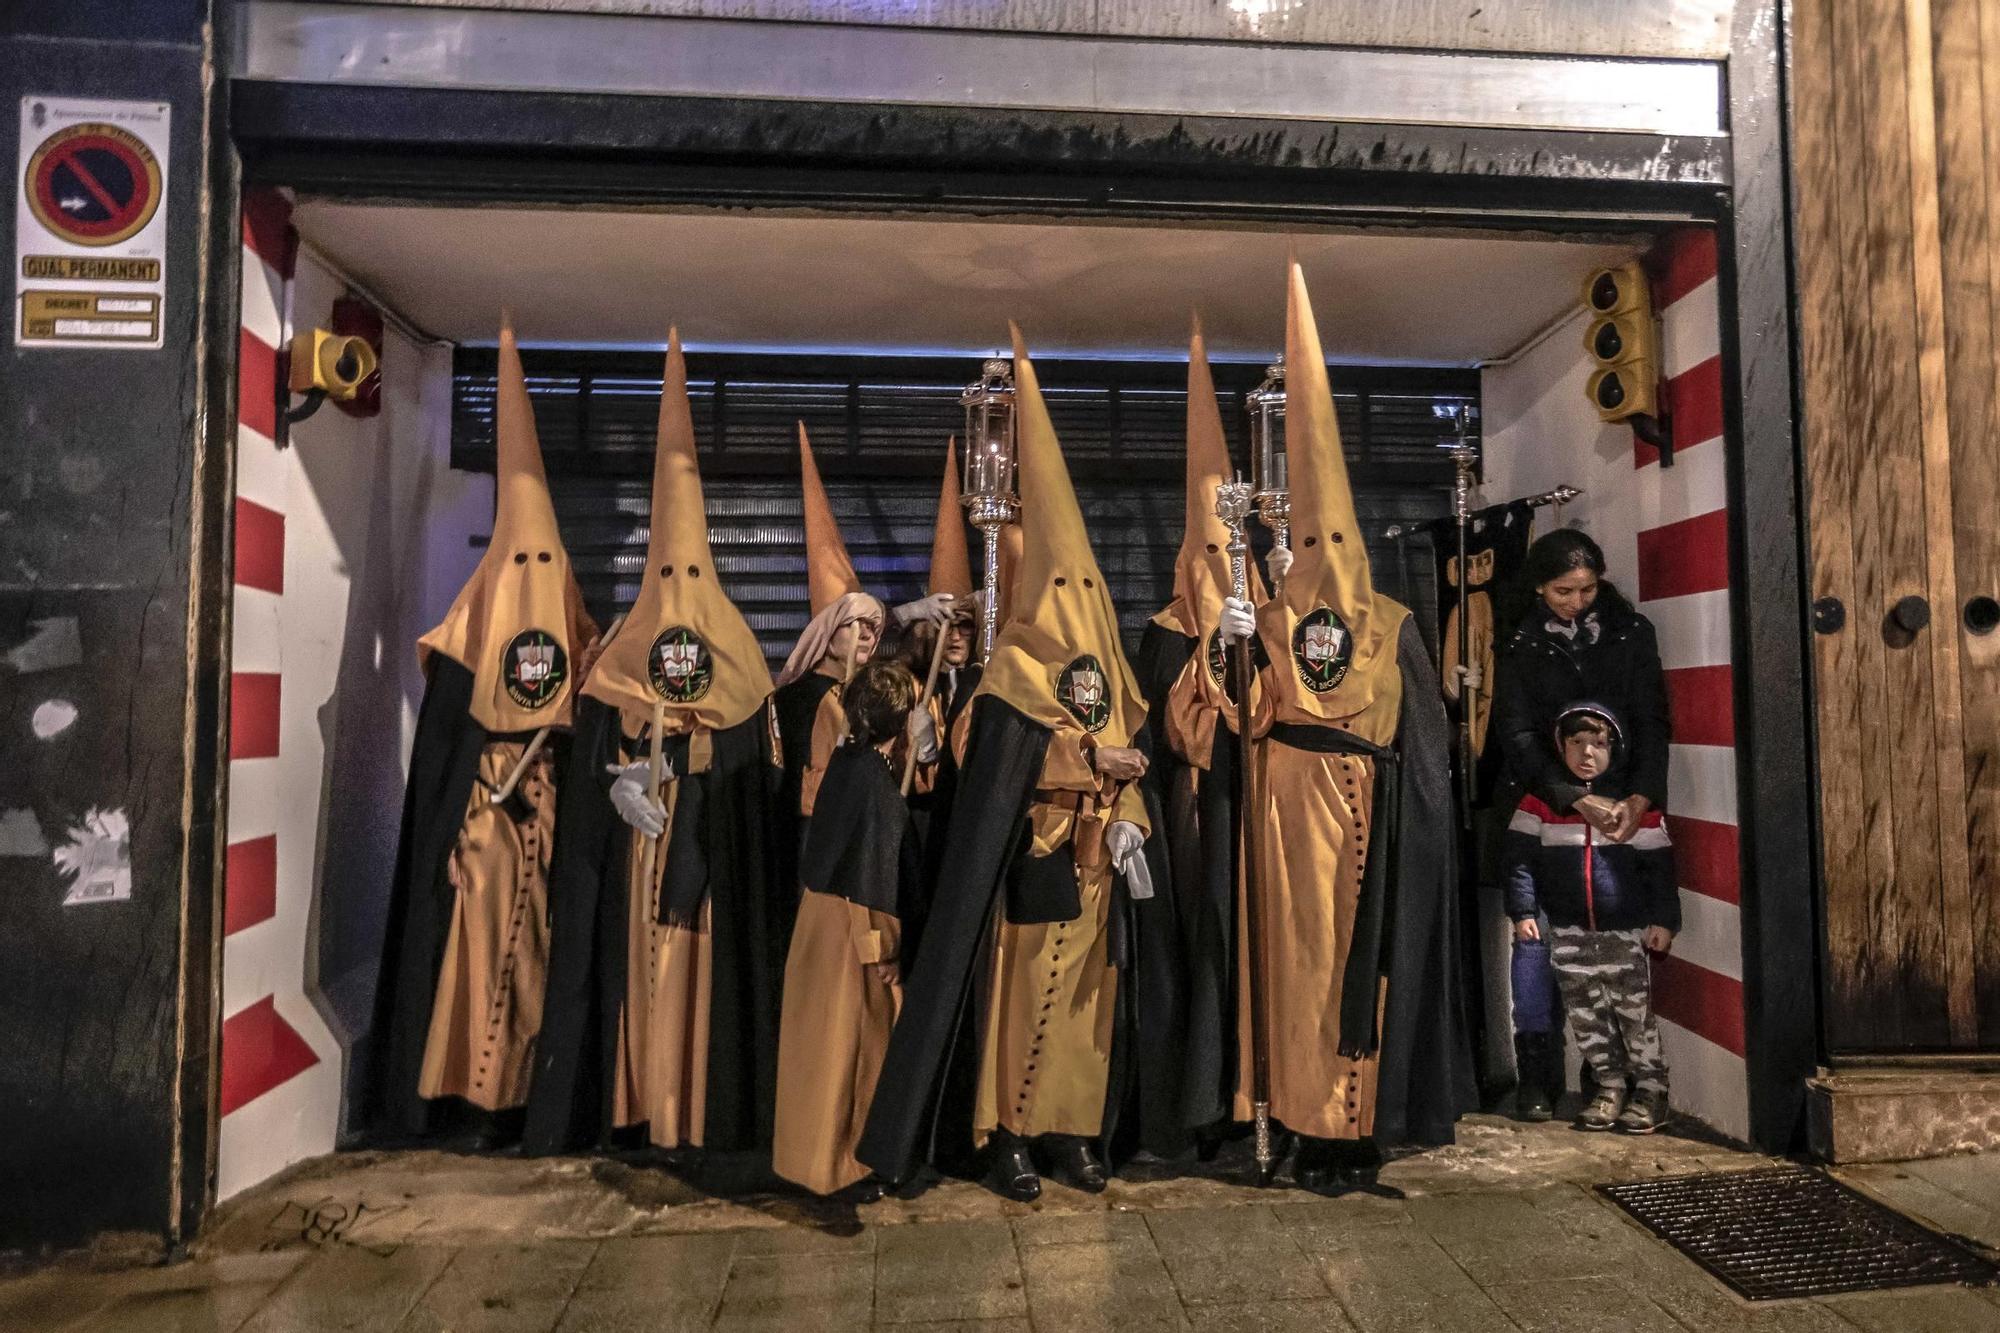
x: 829, y: 572
x: 1201, y: 570
x: 951, y: 562
x: 684, y: 643
x: 1058, y: 659
x: 518, y: 624
x: 1328, y: 622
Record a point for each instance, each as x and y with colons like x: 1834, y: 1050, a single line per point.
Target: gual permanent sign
x: 90, y: 223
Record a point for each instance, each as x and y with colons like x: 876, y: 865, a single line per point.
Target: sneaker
x: 1604, y: 1108
x: 1646, y: 1112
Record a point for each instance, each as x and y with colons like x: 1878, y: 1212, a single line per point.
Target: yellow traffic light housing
x: 332, y: 364
x: 1623, y: 340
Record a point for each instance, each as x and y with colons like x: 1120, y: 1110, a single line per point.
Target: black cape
x: 1200, y: 837
x: 1426, y: 1080
x: 797, y: 705
x: 865, y: 848
x: 982, y: 869
x: 444, y: 764
x: 718, y: 845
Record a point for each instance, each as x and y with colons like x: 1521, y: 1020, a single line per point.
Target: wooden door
x: 1896, y: 178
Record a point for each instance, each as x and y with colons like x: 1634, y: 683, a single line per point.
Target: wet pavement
x: 1501, y: 1231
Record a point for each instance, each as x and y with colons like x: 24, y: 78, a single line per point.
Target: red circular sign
x: 93, y: 184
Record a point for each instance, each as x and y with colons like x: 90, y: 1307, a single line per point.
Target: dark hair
x: 1555, y: 554
x: 1579, y: 720
x: 878, y: 701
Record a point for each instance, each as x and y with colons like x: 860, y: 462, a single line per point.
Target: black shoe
x: 1532, y: 1100
x: 868, y: 1189
x: 1013, y: 1174
x: 1076, y: 1163
x: 1315, y: 1167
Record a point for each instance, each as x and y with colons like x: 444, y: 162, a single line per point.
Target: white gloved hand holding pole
x: 935, y: 608
x: 1238, y: 620
x: 628, y: 797
x: 1126, y: 842
x: 1279, y: 563
x: 923, y: 734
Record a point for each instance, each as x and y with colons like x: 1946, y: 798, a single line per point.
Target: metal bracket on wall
x: 1658, y: 432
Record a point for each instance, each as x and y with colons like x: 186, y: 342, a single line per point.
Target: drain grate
x: 1789, y: 1231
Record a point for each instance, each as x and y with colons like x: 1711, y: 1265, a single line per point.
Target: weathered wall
x: 1665, y: 539
x: 1694, y: 28
x: 102, y: 1069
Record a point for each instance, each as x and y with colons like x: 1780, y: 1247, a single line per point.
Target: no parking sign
x: 90, y: 225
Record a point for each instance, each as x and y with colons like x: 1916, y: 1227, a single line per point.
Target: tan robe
x: 1312, y: 848
x: 842, y: 995
x: 662, y: 1070
x: 488, y: 1008
x: 1045, y: 1062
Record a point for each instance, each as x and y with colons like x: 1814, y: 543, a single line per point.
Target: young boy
x: 1608, y: 904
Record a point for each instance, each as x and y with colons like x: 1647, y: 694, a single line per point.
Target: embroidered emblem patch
x: 1322, y: 647
x: 1084, y: 693
x: 534, y: 668
x: 679, y: 665
x: 1217, y: 665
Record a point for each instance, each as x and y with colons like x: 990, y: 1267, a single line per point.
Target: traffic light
x: 1623, y: 340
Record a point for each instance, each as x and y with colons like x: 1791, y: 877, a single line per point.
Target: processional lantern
x: 1270, y: 478
x: 987, y: 486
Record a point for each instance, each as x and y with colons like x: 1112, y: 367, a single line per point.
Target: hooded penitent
x: 1058, y: 659
x: 1201, y: 570
x: 833, y: 589
x: 1029, y: 828
x: 684, y: 643
x: 663, y: 992
x: 459, y: 1006
x: 518, y: 623
x: 1338, y: 635
x: 951, y: 562
x: 1354, y: 881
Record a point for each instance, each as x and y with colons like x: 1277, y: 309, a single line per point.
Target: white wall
x: 375, y: 543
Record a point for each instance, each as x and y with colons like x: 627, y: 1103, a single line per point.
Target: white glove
x: 1127, y: 844
x: 935, y: 608
x: 1279, y: 563
x: 1238, y: 620
x: 628, y: 797
x: 1469, y: 678
x: 923, y: 734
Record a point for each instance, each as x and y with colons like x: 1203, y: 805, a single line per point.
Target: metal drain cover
x: 1788, y: 1231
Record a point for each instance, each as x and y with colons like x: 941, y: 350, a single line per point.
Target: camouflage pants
x: 1607, y: 990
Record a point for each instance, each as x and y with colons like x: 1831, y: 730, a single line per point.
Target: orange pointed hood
x: 1201, y: 570
x: 829, y: 572
x: 1058, y: 659
x: 951, y: 562
x: 518, y: 624
x: 684, y: 643
x: 1337, y: 634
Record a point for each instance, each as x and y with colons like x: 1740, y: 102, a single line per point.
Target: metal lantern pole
x: 1464, y: 459
x: 1270, y: 473
x: 988, y: 483
x: 1232, y: 506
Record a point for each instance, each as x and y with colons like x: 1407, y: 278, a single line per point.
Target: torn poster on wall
x: 98, y: 859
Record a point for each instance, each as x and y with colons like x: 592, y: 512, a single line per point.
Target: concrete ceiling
x: 773, y: 281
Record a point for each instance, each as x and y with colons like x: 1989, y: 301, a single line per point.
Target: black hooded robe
x: 982, y: 870
x: 717, y: 846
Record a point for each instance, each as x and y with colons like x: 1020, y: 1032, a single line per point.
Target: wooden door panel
x: 1880, y: 450
x: 1966, y: 58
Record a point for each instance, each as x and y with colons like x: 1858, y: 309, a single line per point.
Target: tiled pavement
x: 1501, y: 1233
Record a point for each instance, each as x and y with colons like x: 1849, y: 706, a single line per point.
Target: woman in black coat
x: 1580, y: 641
